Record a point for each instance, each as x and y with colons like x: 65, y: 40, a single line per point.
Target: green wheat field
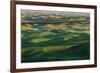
x: 54, y: 36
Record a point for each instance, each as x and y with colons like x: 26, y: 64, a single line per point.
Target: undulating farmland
x: 54, y: 36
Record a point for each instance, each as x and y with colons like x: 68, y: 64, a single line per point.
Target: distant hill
x: 55, y: 12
